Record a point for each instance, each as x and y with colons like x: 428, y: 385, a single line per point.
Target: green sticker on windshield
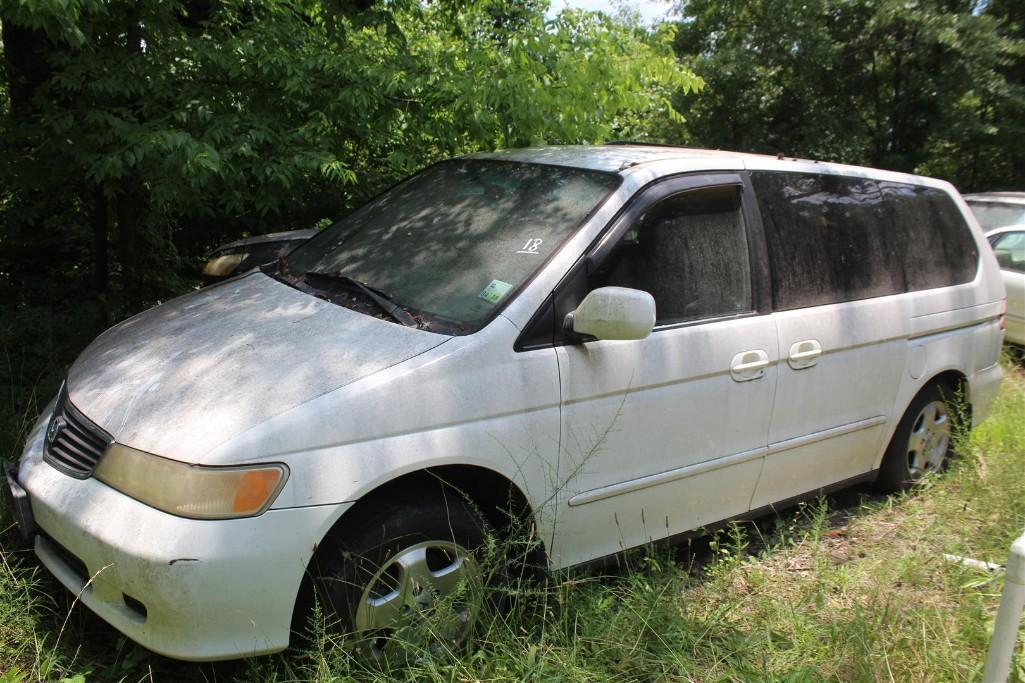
x: 494, y: 292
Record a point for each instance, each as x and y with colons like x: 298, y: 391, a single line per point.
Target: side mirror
x: 613, y: 313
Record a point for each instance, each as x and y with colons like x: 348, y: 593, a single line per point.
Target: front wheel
x: 922, y: 442
x: 402, y: 574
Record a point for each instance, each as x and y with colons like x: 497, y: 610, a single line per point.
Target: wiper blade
x: 378, y: 297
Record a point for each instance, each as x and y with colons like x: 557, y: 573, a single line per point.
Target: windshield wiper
x: 380, y: 298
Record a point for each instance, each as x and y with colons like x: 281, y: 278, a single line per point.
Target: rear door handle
x: 804, y: 354
x: 749, y: 365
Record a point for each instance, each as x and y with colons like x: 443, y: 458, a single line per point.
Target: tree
x: 164, y: 128
x: 885, y: 83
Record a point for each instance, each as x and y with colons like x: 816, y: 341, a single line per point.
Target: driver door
x: 668, y: 433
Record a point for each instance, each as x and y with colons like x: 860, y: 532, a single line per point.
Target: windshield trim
x: 449, y: 328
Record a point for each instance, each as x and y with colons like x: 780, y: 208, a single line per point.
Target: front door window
x: 689, y: 251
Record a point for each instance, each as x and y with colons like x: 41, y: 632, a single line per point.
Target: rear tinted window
x: 937, y: 244
x: 838, y: 238
x: 827, y: 239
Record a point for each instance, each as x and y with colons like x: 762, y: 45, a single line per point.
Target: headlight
x: 223, y: 265
x: 190, y: 490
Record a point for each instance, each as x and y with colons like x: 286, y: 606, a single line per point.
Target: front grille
x: 73, y: 443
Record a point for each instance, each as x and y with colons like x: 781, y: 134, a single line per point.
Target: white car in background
x: 1002, y: 217
x: 241, y: 255
x: 1009, y: 246
x: 997, y: 209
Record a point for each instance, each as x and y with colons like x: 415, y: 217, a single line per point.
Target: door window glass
x: 827, y: 238
x: 689, y: 251
x: 1010, y: 250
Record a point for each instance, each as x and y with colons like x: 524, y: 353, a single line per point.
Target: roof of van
x: 611, y: 157
x: 618, y: 157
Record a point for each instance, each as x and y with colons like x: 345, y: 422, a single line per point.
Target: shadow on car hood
x: 182, y: 378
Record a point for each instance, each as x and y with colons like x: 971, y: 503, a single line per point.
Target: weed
x: 850, y: 587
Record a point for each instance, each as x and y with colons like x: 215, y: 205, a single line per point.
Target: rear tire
x: 923, y: 441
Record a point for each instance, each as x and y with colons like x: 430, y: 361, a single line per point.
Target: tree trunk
x: 131, y: 209
x: 25, y: 61
x: 100, y: 222
x: 132, y: 204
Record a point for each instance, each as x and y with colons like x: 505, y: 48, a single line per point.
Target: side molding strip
x: 815, y: 437
x: 650, y: 480
x: 664, y: 477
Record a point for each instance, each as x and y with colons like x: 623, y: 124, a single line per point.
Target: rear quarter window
x: 937, y: 244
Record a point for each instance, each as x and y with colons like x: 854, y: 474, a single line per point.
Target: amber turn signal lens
x: 254, y: 490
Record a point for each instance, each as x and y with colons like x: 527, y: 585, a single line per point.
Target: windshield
x: 453, y: 243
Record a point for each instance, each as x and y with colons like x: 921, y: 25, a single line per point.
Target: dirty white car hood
x: 186, y: 376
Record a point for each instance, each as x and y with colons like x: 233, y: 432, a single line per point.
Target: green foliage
x: 567, y: 81
x: 166, y: 128
x: 930, y: 86
x: 852, y: 587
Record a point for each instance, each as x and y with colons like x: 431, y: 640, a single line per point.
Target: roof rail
x: 642, y: 143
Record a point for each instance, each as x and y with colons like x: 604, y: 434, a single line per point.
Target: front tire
x: 922, y: 442
x: 402, y: 574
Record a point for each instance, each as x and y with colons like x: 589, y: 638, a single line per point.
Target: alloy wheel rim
x: 428, y: 594
x: 929, y: 440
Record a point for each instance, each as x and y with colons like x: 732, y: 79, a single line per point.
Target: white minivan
x: 622, y: 343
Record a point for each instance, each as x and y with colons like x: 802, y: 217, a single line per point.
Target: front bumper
x: 189, y: 589
x: 20, y: 507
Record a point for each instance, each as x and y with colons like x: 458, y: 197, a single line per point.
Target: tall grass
x: 852, y: 587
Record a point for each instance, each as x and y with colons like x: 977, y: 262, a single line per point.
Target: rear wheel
x: 401, y: 574
x: 923, y: 441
